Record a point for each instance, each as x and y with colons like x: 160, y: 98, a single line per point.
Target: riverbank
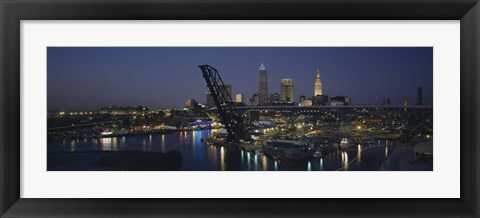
x: 127, y: 133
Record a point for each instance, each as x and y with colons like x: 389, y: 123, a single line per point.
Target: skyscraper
x: 318, y: 85
x: 286, y: 90
x: 239, y: 97
x: 262, y: 90
x: 419, y: 96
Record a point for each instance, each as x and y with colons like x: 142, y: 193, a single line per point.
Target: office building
x: 286, y: 90
x: 262, y: 89
x: 318, y: 85
x: 239, y: 97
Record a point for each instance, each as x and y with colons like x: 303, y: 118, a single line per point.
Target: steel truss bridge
x: 230, y: 116
x: 289, y: 111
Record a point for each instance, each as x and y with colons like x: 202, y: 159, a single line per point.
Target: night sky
x: 82, y: 78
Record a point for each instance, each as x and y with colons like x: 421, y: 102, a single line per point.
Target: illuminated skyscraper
x: 286, y: 90
x: 318, y: 85
x: 262, y: 90
x: 239, y: 97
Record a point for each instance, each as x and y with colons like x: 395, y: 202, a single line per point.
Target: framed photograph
x: 239, y: 108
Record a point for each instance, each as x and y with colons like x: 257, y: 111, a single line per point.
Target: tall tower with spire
x: 318, y: 85
x: 262, y: 90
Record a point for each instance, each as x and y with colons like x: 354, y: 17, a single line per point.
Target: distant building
x: 191, y: 103
x: 405, y: 104
x: 340, y: 100
x: 305, y: 103
x: 228, y: 89
x: 318, y: 85
x: 286, y: 90
x: 117, y: 110
x: 239, y: 97
x: 320, y: 100
x: 209, y: 99
x: 386, y: 101
x: 274, y: 97
x: 262, y: 89
x: 302, y: 98
x: 255, y: 99
x: 419, y: 96
x: 249, y: 102
x: 336, y: 103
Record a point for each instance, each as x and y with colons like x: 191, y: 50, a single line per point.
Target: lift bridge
x: 230, y: 116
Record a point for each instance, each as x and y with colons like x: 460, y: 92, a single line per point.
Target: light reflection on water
x: 359, y: 153
x: 222, y: 159
x: 264, y: 162
x: 200, y: 156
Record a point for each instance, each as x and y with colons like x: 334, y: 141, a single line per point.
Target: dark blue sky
x: 82, y: 78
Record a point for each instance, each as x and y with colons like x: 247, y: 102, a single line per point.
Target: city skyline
x: 83, y: 78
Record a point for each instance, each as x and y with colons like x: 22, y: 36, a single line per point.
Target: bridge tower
x: 229, y: 114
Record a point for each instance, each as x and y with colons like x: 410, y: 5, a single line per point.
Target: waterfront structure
x: 286, y: 90
x: 239, y: 97
x: 262, y: 89
x: 318, y: 85
x: 419, y: 96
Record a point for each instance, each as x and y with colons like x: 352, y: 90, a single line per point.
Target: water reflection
x: 222, y: 159
x: 163, y: 143
x: 199, y: 156
x: 345, y: 160
x: 386, y: 151
x: 359, y: 153
x: 264, y: 163
x: 73, y: 145
x: 106, y: 143
x: 241, y: 157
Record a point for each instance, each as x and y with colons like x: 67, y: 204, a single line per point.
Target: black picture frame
x: 13, y: 11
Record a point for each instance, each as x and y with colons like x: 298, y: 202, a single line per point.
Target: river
x: 198, y: 156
